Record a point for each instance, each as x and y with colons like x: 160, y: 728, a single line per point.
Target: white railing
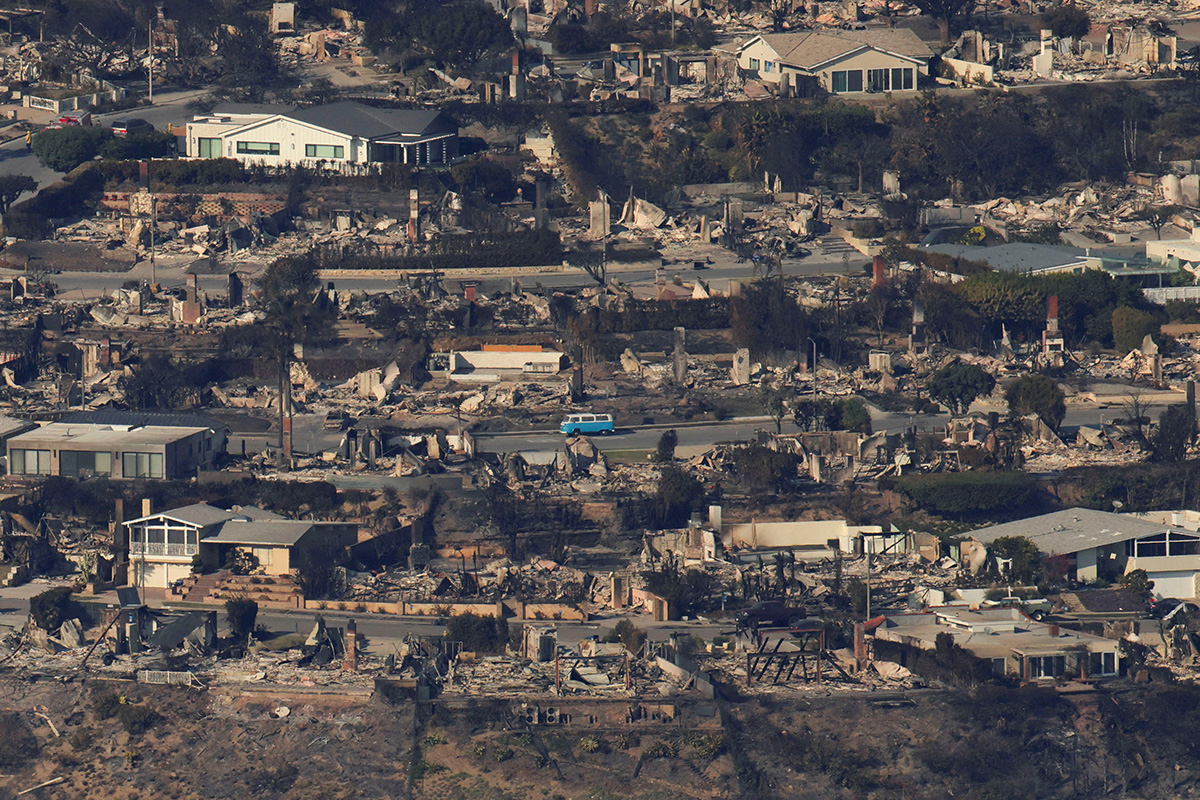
x: 162, y: 549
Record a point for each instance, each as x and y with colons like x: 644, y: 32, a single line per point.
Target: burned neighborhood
x: 540, y: 398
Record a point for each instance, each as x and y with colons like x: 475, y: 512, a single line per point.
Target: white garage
x: 1180, y: 584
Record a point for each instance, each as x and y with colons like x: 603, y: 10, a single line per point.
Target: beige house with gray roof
x: 841, y: 62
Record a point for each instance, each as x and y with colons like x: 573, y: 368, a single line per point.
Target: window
x: 209, y: 148
x: 847, y: 81
x: 768, y: 66
x: 1170, y: 543
x: 1179, y: 544
x: 1047, y: 666
x: 1102, y: 664
x: 902, y: 79
x: 324, y: 151
x: 30, y: 462
x: 77, y: 463
x: 258, y: 148
x: 877, y: 80
x: 998, y: 667
x: 142, y: 465
x: 754, y: 65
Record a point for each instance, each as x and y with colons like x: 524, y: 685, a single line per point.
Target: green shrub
x: 503, y: 754
x: 477, y: 633
x: 660, y: 749
x: 966, y: 492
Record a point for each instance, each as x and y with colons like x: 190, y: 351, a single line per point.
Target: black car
x: 771, y: 614
x: 124, y: 127
x: 1161, y: 608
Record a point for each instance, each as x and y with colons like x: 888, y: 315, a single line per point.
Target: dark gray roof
x: 356, y: 119
x: 159, y: 418
x: 202, y: 515
x: 267, y: 109
x: 1014, y: 256
x: 265, y: 532
x: 1073, y: 529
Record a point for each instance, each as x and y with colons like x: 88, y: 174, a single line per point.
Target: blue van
x: 587, y: 423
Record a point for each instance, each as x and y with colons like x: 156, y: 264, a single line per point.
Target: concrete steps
x: 203, y: 585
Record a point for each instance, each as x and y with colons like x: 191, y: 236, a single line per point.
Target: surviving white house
x: 335, y: 136
x: 841, y: 62
x: 1102, y: 545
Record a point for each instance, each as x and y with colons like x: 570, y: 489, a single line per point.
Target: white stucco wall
x: 867, y: 60
x: 763, y: 52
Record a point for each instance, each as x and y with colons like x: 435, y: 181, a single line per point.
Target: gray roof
x: 12, y: 425
x: 158, y: 418
x: 812, y: 48
x: 202, y: 515
x: 1014, y: 256
x: 266, y: 109
x: 356, y: 119
x: 1073, y: 529
x: 265, y: 532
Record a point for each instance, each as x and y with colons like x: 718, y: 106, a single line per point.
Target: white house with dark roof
x: 1104, y: 545
x: 335, y: 136
x: 841, y: 62
x: 162, y: 546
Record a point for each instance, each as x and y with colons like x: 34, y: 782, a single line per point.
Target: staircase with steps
x: 835, y: 245
x: 202, y: 586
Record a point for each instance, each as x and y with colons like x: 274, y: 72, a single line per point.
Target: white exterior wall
x: 870, y: 59
x: 292, y: 138
x: 207, y: 129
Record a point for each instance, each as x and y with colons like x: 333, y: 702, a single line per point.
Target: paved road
x: 640, y: 438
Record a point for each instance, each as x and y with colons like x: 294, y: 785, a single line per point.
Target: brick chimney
x: 350, y: 664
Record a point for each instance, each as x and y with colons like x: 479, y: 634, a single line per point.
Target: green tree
x: 854, y: 415
x: 763, y: 469
x: 156, y: 383
x: 485, y: 177
x: 627, y: 634
x: 138, y: 146
x: 956, y: 385
x: 12, y: 187
x: 1007, y: 299
x: 240, y: 614
x: 678, y: 495
x: 949, y: 14
x: 1176, y: 430
x: 247, y: 49
x: 665, y: 451
x: 1037, y: 394
x: 1067, y: 21
x: 478, y: 633
x: 1026, y: 559
x: 1158, y: 217
x: 774, y: 401
x: 64, y: 149
x: 1130, y: 327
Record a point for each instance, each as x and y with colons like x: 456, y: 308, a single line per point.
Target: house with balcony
x: 1101, y: 545
x: 164, y: 545
x: 344, y: 136
x: 1010, y: 642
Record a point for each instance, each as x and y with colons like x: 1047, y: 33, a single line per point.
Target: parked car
x: 72, y: 118
x: 771, y: 614
x: 124, y: 127
x: 1167, y: 606
x: 1036, y: 607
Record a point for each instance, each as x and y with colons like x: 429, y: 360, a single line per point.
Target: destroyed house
x: 162, y: 546
x: 496, y: 365
x: 1012, y: 643
x: 840, y: 62
x: 1101, y: 545
x: 125, y: 452
x: 339, y: 136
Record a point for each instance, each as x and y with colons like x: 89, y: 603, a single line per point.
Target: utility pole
x: 150, y: 58
x: 867, y: 553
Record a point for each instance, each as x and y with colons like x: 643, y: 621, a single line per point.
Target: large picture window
x: 208, y: 148
x: 80, y: 464
x: 29, y: 462
x: 142, y: 465
x: 324, y: 151
x: 846, y: 81
x: 258, y: 148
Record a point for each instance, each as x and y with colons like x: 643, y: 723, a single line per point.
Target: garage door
x: 1181, y: 584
